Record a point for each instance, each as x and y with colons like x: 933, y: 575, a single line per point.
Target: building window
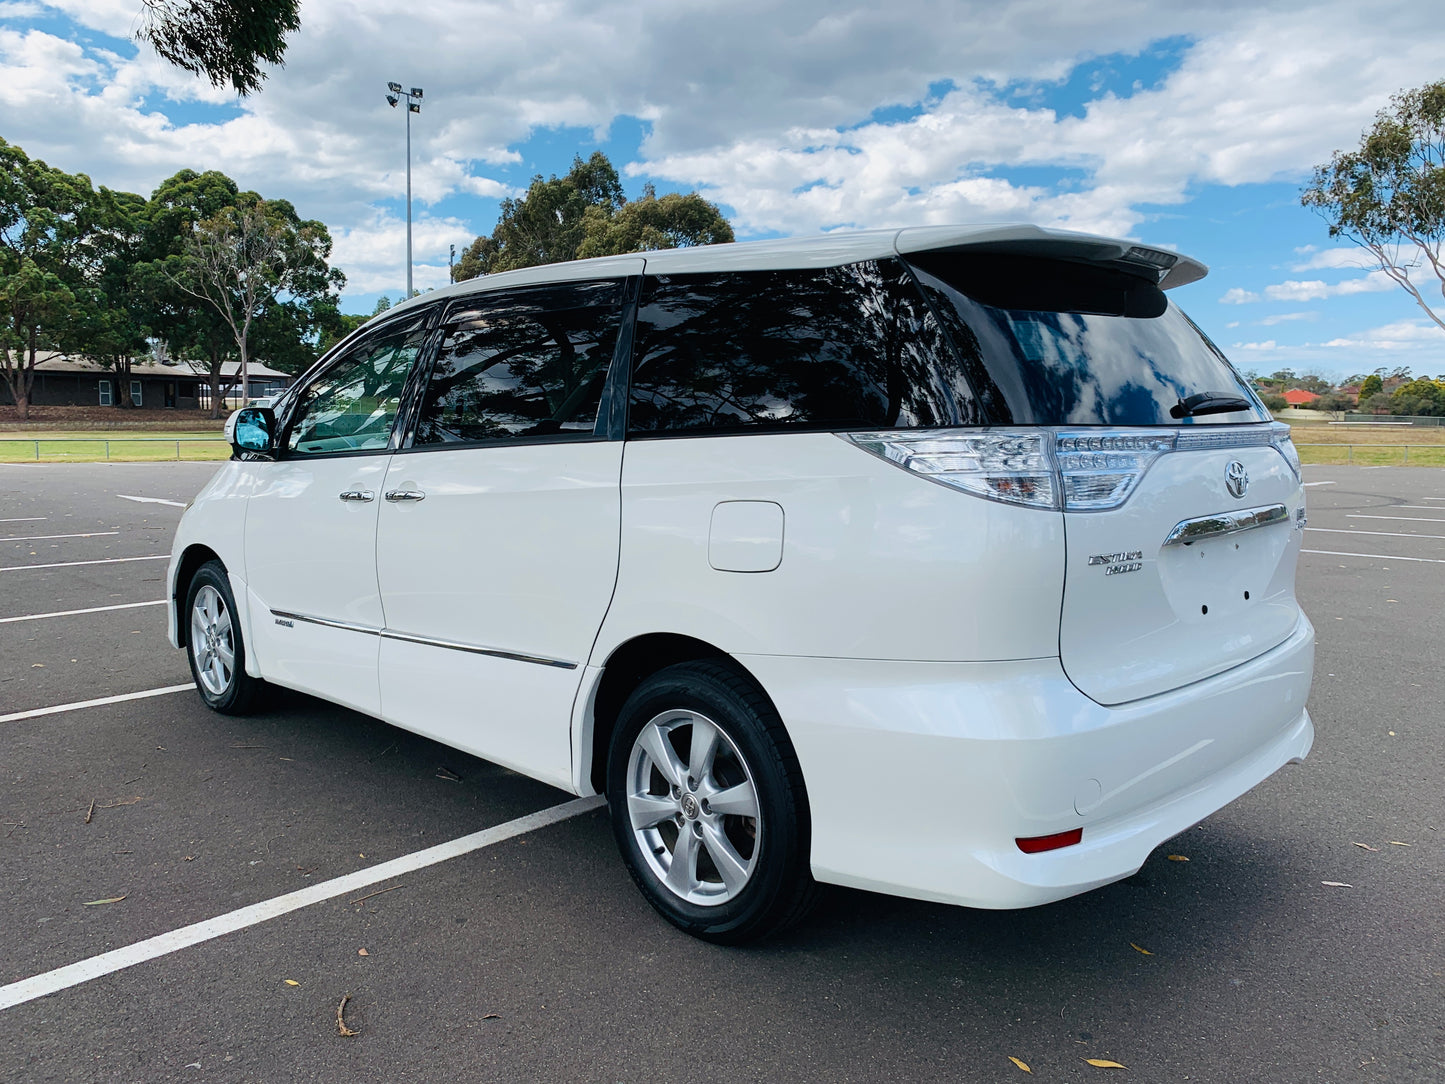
x: 135, y: 392
x: 105, y: 393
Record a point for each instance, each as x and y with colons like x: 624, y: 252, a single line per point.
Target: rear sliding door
x: 498, y: 533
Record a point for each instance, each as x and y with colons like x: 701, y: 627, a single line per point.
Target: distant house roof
x: 1299, y: 397
x: 64, y: 363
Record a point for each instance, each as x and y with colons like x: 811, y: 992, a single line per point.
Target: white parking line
x: 91, y: 610
x: 102, y: 561
x: 151, y: 500
x: 35, y: 713
x: 44, y: 537
x: 1420, y: 508
x: 1379, y: 556
x: 1407, y: 519
x: 1319, y: 483
x: 1375, y: 534
x: 17, y: 993
x: 40, y: 519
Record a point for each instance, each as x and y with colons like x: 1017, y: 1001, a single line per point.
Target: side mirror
x: 253, y: 433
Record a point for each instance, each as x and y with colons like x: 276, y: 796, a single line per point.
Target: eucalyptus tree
x: 1388, y: 195
x: 224, y: 40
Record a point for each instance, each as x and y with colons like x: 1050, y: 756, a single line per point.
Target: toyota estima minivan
x: 951, y: 562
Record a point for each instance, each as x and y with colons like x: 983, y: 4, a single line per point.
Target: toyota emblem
x: 1236, y: 479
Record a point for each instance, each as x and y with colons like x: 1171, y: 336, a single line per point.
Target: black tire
x: 228, y: 690
x: 777, y: 888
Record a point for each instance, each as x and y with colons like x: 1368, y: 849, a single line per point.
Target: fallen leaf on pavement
x: 1136, y: 948
x: 291, y: 982
x: 1101, y: 1063
x: 1366, y: 847
x: 1397, y: 843
x: 1020, y: 1064
x: 492, y: 1016
x: 341, y: 1028
x: 362, y: 952
x: 1177, y: 858
x: 97, y: 903
x: 1336, y: 884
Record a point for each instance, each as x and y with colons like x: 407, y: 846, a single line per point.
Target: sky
x: 1183, y: 126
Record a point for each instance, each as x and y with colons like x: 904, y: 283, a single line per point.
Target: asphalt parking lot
x: 1303, y: 940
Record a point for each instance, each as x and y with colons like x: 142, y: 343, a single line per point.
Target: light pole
x: 413, y: 105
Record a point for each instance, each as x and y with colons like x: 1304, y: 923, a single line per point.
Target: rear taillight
x: 1279, y: 436
x: 1076, y: 470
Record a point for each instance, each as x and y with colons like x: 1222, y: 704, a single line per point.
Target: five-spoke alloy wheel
x: 214, y: 644
x: 708, y: 803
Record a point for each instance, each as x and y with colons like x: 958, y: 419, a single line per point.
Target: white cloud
x: 1333, y: 259
x: 1400, y: 335
x: 1238, y: 296
x: 1267, y: 345
x: 1287, y: 317
x: 1316, y: 289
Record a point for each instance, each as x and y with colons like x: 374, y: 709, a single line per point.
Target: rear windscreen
x: 1057, y: 343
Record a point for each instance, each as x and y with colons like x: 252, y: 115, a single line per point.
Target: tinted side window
x: 522, y: 365
x: 840, y: 347
x: 352, y: 405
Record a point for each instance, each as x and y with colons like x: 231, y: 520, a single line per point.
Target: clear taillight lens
x: 1013, y: 466
x: 1074, y: 470
x: 1280, y: 438
x: 1100, y: 469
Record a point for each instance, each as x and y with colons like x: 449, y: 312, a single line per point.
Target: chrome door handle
x: 358, y: 495
x: 397, y: 496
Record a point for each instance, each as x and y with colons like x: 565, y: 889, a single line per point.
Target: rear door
x: 498, y: 533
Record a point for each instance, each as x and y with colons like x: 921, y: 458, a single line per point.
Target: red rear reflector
x: 1035, y: 844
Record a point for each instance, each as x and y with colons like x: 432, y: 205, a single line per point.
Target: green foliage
x: 1419, y: 397
x: 1388, y: 196
x: 1371, y: 385
x: 224, y: 40
x: 1274, y: 402
x: 585, y: 214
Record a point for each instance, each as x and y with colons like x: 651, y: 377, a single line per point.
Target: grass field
x: 123, y: 446
x: 1370, y: 446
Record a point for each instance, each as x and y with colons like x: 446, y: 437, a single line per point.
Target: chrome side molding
x: 1222, y: 523
x: 285, y: 618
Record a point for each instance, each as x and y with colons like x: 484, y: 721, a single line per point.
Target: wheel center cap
x: 690, y: 807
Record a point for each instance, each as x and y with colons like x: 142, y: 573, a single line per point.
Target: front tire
x: 708, y: 805
x: 214, y: 645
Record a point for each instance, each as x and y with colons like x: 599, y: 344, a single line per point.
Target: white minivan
x: 951, y: 562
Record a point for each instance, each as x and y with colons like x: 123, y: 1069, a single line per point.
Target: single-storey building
x: 75, y: 381
x: 1298, y: 397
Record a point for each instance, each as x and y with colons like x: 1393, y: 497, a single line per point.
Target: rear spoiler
x: 1168, y: 269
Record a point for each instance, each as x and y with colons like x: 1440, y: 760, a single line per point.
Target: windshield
x: 1066, y: 344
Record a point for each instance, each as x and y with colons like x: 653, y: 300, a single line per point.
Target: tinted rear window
x: 833, y: 348
x: 1053, y: 343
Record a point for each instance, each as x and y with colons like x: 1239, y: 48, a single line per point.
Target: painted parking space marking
x: 88, y: 610
x: 1319, y: 483
x: 47, y: 537
x: 1419, y: 507
x: 35, y: 713
x: 24, y: 519
x: 102, y: 561
x: 1407, y: 519
x: 17, y: 993
x: 151, y: 500
x: 1379, y: 556
x: 1374, y: 534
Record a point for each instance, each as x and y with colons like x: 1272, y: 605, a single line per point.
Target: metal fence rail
x: 1349, y: 449
x: 108, y: 441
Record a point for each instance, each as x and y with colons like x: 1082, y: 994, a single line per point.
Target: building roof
x: 64, y: 363
x: 836, y: 249
x: 1298, y: 396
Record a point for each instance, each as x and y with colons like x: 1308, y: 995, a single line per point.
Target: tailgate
x: 1190, y: 577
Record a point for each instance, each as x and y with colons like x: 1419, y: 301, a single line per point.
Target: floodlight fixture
x: 413, y: 105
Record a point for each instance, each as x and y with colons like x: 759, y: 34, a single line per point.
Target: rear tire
x: 214, y: 645
x: 708, y: 804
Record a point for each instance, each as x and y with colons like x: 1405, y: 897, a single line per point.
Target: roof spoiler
x: 1168, y: 269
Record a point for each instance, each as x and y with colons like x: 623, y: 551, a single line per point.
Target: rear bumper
x: 921, y: 775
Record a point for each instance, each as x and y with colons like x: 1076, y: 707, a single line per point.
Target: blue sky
x: 1184, y: 129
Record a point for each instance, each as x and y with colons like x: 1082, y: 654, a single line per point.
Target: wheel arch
x: 629, y: 664
x: 192, y: 559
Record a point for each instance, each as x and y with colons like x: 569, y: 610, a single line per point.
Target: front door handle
x: 358, y: 495
x: 397, y: 496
